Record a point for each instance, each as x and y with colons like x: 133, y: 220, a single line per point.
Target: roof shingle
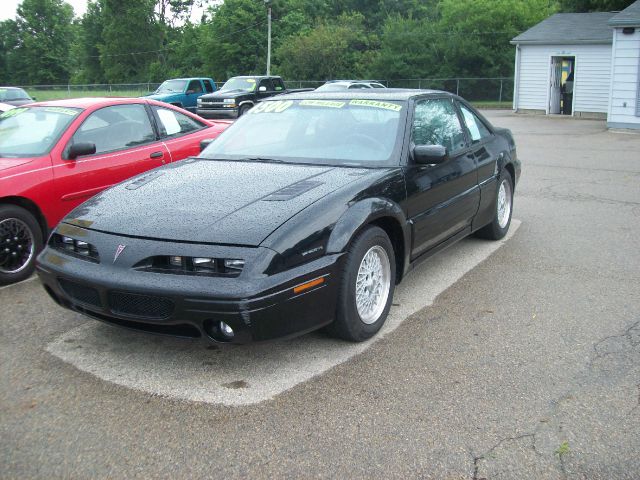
x: 570, y: 28
x: 629, y: 17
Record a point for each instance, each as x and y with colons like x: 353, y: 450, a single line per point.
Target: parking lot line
x: 244, y: 375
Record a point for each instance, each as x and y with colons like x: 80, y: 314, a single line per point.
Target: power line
x: 168, y: 49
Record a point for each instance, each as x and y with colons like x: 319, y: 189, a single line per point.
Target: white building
x: 581, y: 64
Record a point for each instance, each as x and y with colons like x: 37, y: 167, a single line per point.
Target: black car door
x: 441, y: 199
x: 265, y: 88
x: 487, y: 152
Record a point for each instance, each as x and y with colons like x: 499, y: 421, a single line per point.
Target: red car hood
x: 6, y: 163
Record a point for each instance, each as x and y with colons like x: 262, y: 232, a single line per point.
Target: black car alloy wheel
x: 367, y: 286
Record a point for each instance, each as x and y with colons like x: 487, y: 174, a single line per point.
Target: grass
x: 563, y: 449
x: 46, y: 95
x: 505, y: 105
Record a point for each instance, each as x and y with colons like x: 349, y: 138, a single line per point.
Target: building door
x: 561, y: 81
x: 555, y: 97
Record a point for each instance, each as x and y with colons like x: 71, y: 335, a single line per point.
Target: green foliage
x: 131, y: 40
x: 234, y: 42
x: 85, y: 51
x: 125, y: 41
x: 594, y: 5
x: 563, y: 449
x: 36, y: 44
x: 328, y: 51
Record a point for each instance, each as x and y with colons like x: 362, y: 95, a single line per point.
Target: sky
x: 8, y: 9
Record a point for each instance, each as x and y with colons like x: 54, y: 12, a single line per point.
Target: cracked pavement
x: 528, y: 367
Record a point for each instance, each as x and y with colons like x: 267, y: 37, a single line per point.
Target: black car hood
x: 222, y: 94
x: 208, y: 201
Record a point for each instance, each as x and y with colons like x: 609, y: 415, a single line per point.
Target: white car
x: 4, y: 107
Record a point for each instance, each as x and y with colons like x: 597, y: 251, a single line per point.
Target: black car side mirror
x: 80, y: 149
x: 430, y: 154
x: 205, y: 143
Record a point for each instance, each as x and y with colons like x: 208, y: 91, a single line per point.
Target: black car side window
x: 116, y: 128
x: 267, y: 84
x: 436, y: 122
x: 476, y: 128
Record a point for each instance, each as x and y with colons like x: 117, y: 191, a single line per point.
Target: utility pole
x: 268, y: 3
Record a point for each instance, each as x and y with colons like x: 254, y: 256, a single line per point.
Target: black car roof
x: 402, y: 94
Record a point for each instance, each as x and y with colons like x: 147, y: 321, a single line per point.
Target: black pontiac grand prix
x: 303, y: 214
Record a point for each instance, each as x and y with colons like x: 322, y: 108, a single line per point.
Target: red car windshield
x: 33, y: 131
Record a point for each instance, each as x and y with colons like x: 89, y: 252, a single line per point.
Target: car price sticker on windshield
x: 64, y: 111
x: 13, y: 112
x: 277, y: 106
x: 322, y: 103
x: 376, y: 104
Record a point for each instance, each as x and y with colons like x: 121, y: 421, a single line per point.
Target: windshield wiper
x: 263, y: 160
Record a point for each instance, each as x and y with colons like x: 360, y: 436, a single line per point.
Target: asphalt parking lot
x: 517, y: 359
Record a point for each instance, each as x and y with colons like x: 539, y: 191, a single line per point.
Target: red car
x: 55, y: 155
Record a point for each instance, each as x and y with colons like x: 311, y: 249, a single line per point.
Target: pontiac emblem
x: 119, y: 250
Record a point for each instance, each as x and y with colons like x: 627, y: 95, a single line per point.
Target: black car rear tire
x: 20, y: 242
x: 366, y: 287
x: 499, y: 226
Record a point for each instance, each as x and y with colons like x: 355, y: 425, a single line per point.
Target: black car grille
x: 140, y: 306
x: 80, y: 293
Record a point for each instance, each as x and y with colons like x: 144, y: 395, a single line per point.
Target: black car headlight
x: 178, y: 264
x: 74, y: 247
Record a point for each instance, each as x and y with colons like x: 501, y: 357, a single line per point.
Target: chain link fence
x: 491, y: 90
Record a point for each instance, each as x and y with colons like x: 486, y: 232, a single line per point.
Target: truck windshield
x: 353, y: 132
x: 32, y: 131
x: 246, y: 84
x: 172, y: 86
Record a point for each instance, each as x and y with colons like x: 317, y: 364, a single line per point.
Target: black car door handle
x: 156, y: 155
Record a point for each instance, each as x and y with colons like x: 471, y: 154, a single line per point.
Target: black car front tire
x: 366, y: 287
x: 20, y: 242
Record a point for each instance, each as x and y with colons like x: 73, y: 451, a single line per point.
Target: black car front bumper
x: 256, y: 307
x: 221, y: 113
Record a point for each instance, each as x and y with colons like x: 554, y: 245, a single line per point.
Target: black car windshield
x: 32, y: 131
x: 358, y: 132
x: 11, y: 94
x: 245, y: 84
x: 172, y: 86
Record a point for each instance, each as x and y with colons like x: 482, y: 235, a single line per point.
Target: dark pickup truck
x: 239, y: 94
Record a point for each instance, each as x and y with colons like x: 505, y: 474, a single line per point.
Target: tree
x: 469, y: 38
x: 44, y: 32
x: 594, y: 5
x: 86, y: 51
x: 8, y: 43
x: 234, y: 42
x: 328, y: 51
x: 131, y: 40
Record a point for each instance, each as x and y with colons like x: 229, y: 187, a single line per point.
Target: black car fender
x: 245, y: 102
x: 378, y: 211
